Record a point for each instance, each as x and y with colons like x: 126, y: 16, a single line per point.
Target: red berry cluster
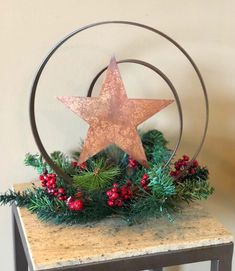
x: 49, y: 182
x: 182, y: 164
x: 132, y: 163
x: 118, y: 195
x: 82, y: 166
x: 144, y: 181
x: 75, y: 203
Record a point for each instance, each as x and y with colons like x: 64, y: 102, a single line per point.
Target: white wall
x: 28, y: 29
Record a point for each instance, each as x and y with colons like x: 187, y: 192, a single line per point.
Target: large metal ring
x: 54, y: 49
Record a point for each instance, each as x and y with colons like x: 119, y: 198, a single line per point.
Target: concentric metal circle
x: 57, y: 46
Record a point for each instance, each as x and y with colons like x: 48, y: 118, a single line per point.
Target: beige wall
x: 28, y: 29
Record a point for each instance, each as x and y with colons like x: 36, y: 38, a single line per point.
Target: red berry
x: 71, y: 205
x: 41, y: 177
x: 78, y: 205
x: 185, y: 158
x: 83, y: 166
x: 119, y: 202
x: 132, y: 163
x: 126, y: 197
x: 115, y: 185
x: 53, y: 179
x: 56, y: 194
x: 195, y: 163
x: 184, y: 163
x: 123, y: 192
x: 191, y: 171
x: 109, y: 193
x: 114, y: 190
x: 143, y: 182
x: 74, y: 164
x: 51, y: 182
x: 46, y: 178
x: 61, y: 190
x: 114, y: 196
x: 177, y: 166
x: 145, y: 187
x: 110, y: 203
x: 145, y: 176
x: 60, y: 197
x: 126, y: 192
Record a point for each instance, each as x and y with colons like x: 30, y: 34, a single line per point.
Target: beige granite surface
x: 56, y: 245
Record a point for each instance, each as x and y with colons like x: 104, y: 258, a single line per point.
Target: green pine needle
x: 161, y: 184
x: 153, y: 137
x: 97, y: 178
x: 36, y: 161
x: 193, y: 190
x: 19, y: 198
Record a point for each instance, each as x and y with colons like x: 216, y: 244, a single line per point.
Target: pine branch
x: 155, y: 147
x: 62, y: 161
x: 18, y: 198
x: 153, y: 137
x: 115, y: 157
x: 193, y: 190
x: 41, y: 201
x: 147, y: 207
x: 160, y: 155
x: 161, y: 184
x: 97, y: 178
x: 36, y: 161
x: 48, y: 208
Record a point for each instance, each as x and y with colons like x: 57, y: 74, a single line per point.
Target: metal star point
x: 113, y: 118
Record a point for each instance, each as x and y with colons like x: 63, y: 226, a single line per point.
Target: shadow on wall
x: 219, y: 148
x: 218, y: 152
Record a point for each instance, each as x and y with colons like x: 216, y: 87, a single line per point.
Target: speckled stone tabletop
x: 52, y: 246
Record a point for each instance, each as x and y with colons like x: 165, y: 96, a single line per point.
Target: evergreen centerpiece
x: 118, y: 171
x: 111, y: 183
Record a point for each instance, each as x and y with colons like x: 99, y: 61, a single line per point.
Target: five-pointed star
x: 113, y: 118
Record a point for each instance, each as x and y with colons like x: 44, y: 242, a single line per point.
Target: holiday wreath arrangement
x: 118, y: 171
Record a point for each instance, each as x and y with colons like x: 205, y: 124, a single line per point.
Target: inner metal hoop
x: 169, y: 83
x: 38, y: 141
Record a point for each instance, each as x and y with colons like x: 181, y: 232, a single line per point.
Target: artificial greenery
x: 161, y: 184
x: 97, y: 177
x: 109, y: 185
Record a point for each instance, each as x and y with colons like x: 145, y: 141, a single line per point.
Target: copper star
x: 113, y: 118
